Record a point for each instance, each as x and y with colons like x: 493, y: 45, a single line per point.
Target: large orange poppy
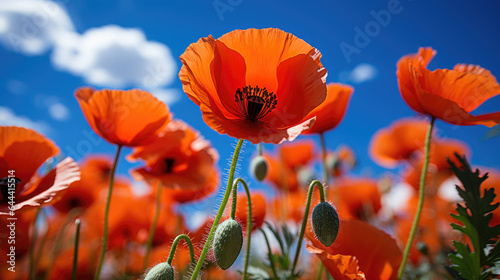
x: 331, y: 112
x: 399, y: 142
x: 181, y: 159
x: 24, y: 151
x: 361, y: 251
x: 254, y: 84
x: 258, y: 210
x: 123, y: 117
x: 357, y: 197
x: 449, y: 95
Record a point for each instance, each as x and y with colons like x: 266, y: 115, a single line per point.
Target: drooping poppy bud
x: 227, y: 243
x: 258, y: 167
x: 161, y: 271
x: 325, y: 223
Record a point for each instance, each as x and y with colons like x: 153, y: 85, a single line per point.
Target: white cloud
x: 115, y: 56
x: 59, y: 111
x: 32, y: 26
x: 363, y: 72
x: 167, y: 96
x: 9, y: 118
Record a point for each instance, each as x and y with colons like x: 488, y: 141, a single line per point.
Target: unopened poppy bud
x: 227, y: 243
x: 161, y: 271
x: 259, y: 167
x: 325, y: 223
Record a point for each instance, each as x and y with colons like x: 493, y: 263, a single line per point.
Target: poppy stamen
x: 169, y: 165
x: 254, y: 102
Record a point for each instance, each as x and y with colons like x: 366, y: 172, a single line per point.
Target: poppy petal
x: 265, y: 49
x: 17, y: 145
x: 228, y: 74
x: 454, y: 114
x: 341, y: 267
x: 301, y: 88
x: 331, y: 112
x: 126, y: 118
x: 406, y: 76
x: 65, y: 173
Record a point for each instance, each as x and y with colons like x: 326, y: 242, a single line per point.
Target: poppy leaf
x: 474, y: 221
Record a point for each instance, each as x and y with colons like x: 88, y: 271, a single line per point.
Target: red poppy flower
x: 341, y: 161
x: 123, y: 117
x: 254, y: 84
x: 331, y: 112
x: 361, y: 251
x: 182, y: 160
x: 449, y: 95
x: 258, y: 210
x: 357, y: 197
x: 23, y: 151
x: 284, y: 168
x: 399, y: 142
x: 82, y: 194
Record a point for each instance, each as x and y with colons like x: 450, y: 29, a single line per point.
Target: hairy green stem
x: 75, y: 251
x: 306, y: 214
x: 269, y: 254
x: 249, y: 219
x: 152, y: 229
x: 421, y: 195
x: 222, y: 206
x: 324, y: 157
x: 106, y: 214
x: 174, y: 247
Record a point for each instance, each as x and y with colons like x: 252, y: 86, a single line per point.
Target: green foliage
x: 474, y: 218
x: 279, y: 262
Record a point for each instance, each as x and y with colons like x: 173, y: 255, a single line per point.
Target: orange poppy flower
x: 357, y: 197
x: 23, y: 151
x: 449, y: 95
x: 401, y: 141
x: 123, y: 117
x: 361, y: 251
x: 182, y: 160
x: 291, y: 158
x: 254, y: 84
x: 258, y: 210
x: 82, y: 194
x: 341, y: 161
x: 331, y: 112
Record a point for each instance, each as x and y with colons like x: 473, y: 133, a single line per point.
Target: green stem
x: 269, y: 254
x: 75, y: 252
x: 152, y: 229
x: 174, y: 247
x: 324, y: 157
x: 259, y: 149
x: 306, y: 214
x: 421, y: 195
x: 221, y: 209
x: 249, y: 220
x: 34, y: 233
x: 106, y: 213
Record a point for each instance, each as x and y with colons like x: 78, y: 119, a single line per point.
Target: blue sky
x: 40, y: 71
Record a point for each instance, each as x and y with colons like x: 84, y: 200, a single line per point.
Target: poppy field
x: 258, y: 172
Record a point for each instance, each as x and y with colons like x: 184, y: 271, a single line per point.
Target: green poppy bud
x: 325, y: 223
x: 227, y: 244
x: 258, y: 167
x: 161, y: 271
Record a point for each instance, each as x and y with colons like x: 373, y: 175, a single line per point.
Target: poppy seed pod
x: 325, y: 223
x: 227, y: 243
x: 161, y: 271
x: 258, y: 166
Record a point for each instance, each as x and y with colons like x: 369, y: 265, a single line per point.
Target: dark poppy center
x: 8, y: 184
x: 169, y: 165
x: 74, y: 203
x: 254, y: 102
